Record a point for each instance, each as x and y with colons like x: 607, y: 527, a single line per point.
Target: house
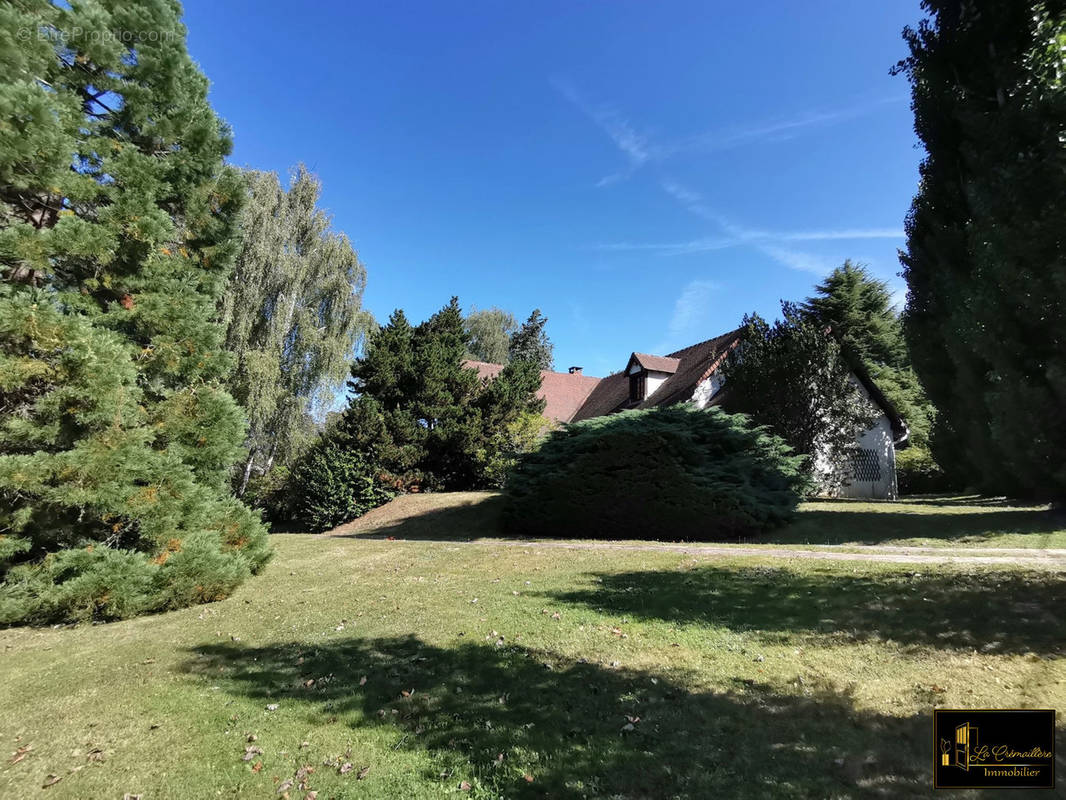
x: 691, y: 375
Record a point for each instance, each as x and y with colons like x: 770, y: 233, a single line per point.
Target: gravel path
x: 977, y: 556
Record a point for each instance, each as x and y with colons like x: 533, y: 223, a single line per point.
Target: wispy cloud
x: 779, y: 129
x: 626, y: 138
x: 735, y: 235
x: 770, y: 243
x: 690, y: 307
x: 639, y: 148
x: 690, y: 317
x: 804, y: 262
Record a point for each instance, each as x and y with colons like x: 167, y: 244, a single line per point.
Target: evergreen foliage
x: 531, y: 343
x: 293, y: 316
x: 425, y: 420
x: 664, y: 473
x: 791, y: 376
x: 117, y: 224
x: 985, y: 262
x: 490, y: 332
x: 857, y: 310
x: 332, y: 484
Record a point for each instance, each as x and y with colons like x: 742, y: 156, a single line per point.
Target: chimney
x: 575, y: 370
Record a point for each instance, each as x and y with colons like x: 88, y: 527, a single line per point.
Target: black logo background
x: 1020, y: 730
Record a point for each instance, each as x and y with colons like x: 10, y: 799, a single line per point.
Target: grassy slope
x: 749, y: 678
x: 928, y: 522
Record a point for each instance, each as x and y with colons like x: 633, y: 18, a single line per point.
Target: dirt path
x: 987, y: 556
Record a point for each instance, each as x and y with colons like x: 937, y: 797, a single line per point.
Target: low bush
x: 918, y: 473
x: 668, y: 473
x: 332, y: 484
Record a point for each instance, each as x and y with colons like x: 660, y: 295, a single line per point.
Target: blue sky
x: 645, y: 173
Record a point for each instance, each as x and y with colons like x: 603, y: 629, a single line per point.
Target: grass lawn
x: 915, y: 522
x: 503, y: 671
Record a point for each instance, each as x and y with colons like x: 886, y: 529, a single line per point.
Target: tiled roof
x: 689, y: 366
x: 609, y: 395
x: 656, y: 363
x: 697, y: 363
x: 575, y: 397
x: 563, y: 392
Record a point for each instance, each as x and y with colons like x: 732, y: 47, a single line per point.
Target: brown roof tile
x: 697, y: 363
x: 656, y: 363
x: 563, y: 392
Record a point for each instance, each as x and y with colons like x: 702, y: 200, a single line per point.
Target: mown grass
x: 913, y: 522
x: 529, y: 672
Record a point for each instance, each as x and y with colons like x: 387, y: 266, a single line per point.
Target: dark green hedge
x: 670, y: 473
x: 333, y: 484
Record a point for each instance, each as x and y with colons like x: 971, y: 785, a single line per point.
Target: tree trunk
x: 247, y: 473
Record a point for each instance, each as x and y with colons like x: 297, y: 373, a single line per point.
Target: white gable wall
x: 654, y: 381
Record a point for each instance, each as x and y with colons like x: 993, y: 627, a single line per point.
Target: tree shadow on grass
x: 518, y: 722
x: 992, y: 612
x: 820, y: 522
x: 463, y: 522
x: 833, y: 522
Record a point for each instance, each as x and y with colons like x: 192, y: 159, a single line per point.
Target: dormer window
x: 638, y: 386
x: 647, y: 373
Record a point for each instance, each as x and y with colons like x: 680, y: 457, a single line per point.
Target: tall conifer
x: 116, y: 240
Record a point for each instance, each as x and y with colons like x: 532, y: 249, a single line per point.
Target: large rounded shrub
x: 669, y: 473
x: 333, y: 484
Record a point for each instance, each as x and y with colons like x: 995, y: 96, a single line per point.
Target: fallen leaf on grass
x: 51, y: 780
x: 465, y: 786
x: 284, y: 786
x: 362, y: 773
x: 257, y: 766
x: 346, y: 767
x: 272, y: 707
x: 251, y: 752
x: 362, y: 681
x: 529, y: 778
x: 128, y: 796
x: 20, y: 754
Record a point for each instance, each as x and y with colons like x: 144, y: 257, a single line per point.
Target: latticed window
x: 865, y: 465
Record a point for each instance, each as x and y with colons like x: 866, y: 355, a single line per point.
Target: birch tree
x: 293, y: 315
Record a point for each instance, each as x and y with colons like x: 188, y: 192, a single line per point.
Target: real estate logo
x: 977, y: 749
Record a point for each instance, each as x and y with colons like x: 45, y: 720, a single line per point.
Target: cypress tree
x: 117, y: 221
x: 985, y: 262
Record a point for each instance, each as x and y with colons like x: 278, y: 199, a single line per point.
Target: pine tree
x: 426, y: 420
x: 293, y: 315
x: 531, y: 343
x: 117, y: 222
x: 985, y: 262
x: 857, y: 309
